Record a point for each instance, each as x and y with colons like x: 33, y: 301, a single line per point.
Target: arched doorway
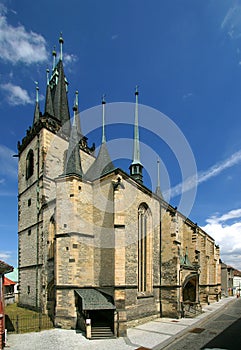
x: 189, y: 291
x: 190, y: 305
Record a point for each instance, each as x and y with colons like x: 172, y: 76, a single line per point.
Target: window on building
x: 29, y: 202
x: 29, y: 164
x: 144, y: 249
x: 51, y: 238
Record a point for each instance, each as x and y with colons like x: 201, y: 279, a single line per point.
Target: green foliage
x: 21, y: 320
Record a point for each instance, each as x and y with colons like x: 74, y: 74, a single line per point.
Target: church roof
x: 73, y: 161
x: 92, y: 299
x: 101, y: 166
x: 60, y: 99
x: 48, y: 102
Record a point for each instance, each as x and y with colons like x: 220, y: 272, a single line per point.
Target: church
x: 96, y: 246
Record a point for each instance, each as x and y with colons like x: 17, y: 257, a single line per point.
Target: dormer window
x: 29, y: 164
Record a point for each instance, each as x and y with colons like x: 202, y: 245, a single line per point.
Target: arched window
x: 144, y: 249
x: 51, y: 236
x: 29, y: 164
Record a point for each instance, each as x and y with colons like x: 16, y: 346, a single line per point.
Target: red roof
x: 8, y: 282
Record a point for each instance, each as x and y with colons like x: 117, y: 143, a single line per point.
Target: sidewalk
x: 151, y: 335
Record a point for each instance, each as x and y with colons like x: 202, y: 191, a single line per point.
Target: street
x: 222, y: 331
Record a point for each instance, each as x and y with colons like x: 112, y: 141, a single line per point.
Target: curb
x: 198, y: 322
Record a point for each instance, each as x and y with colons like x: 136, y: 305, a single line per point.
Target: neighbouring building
x: 13, y: 276
x: 224, y: 280
x: 9, y: 295
x: 236, y: 282
x: 4, y: 268
x: 95, y: 244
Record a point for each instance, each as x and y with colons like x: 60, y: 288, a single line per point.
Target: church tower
x: 50, y: 148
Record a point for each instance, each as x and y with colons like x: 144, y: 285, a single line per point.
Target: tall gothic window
x: 29, y: 164
x: 144, y: 249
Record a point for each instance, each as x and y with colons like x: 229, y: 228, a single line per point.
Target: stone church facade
x: 94, y: 243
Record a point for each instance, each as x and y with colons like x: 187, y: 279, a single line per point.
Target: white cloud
x: 16, y: 95
x: 187, y: 95
x: 5, y: 255
x: 232, y: 22
x: 19, y: 45
x: 203, y: 176
x: 70, y: 58
x: 8, y: 163
x: 228, y: 236
x: 232, y: 214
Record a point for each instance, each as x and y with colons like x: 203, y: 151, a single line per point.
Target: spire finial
x: 54, y: 57
x: 76, y: 121
x: 36, y: 111
x: 61, y: 41
x: 76, y: 98
x: 136, y: 151
x: 47, y: 74
x: 136, y: 166
x: 158, y: 188
x: 37, y: 91
x: 103, y: 119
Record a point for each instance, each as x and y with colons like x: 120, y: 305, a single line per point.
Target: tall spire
x: 54, y: 58
x: 73, y: 161
x: 103, y: 164
x: 76, y: 114
x: 47, y: 76
x: 103, y: 119
x: 158, y: 188
x: 136, y: 166
x: 48, y: 101
x: 36, y: 111
x: 136, y: 150
x: 61, y: 41
x: 56, y: 103
x: 60, y: 99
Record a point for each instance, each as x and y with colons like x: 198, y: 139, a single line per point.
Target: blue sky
x: 185, y: 56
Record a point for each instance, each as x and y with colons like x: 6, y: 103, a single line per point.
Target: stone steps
x: 101, y: 332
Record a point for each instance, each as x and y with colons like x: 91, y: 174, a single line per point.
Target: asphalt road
x: 221, y: 331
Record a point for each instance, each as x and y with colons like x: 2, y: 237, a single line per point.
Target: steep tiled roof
x: 8, y: 282
x: 4, y: 268
x: 102, y: 165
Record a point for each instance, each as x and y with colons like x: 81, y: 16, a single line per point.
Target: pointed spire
x: 76, y: 114
x: 54, y: 57
x: 73, y: 161
x: 48, y: 100
x: 60, y: 100
x: 103, y: 119
x: 47, y: 75
x: 61, y: 41
x: 136, y: 166
x: 158, y: 188
x: 36, y: 111
x: 103, y: 164
x: 136, y: 150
